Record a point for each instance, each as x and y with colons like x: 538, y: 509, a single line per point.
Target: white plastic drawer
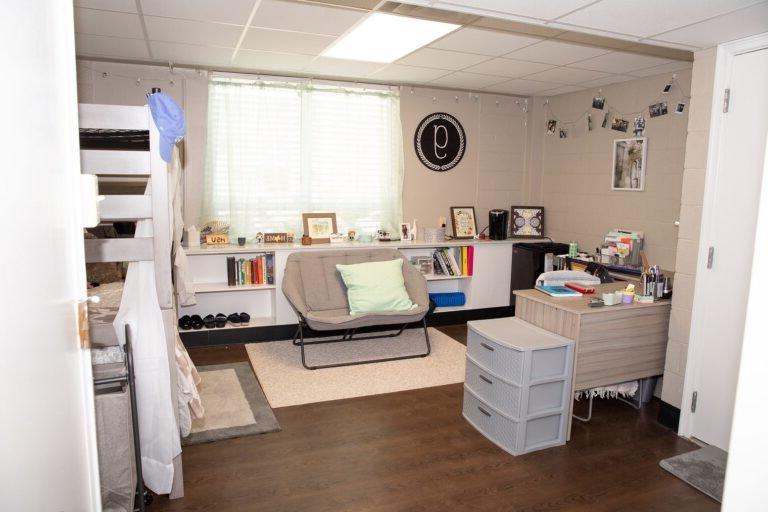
x: 497, y: 358
x: 548, y: 396
x: 548, y: 363
x: 494, y: 426
x: 543, y: 432
x: 489, y: 388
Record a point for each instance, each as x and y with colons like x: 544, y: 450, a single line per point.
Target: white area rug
x: 286, y: 382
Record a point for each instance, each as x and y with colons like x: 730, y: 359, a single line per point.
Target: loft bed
x: 120, y: 144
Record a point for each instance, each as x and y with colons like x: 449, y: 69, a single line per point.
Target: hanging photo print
x: 551, y: 126
x: 606, y: 118
x: 658, y: 109
x: 619, y: 124
x: 667, y: 88
x: 639, y: 127
x: 680, y: 108
x: 629, y: 164
x: 589, y: 122
x: 598, y: 102
x: 563, y: 133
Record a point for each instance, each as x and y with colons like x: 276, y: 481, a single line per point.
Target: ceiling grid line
x: 144, y: 28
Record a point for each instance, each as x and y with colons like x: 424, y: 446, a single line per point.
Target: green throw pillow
x: 376, y: 286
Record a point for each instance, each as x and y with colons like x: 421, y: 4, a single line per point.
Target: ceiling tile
x: 286, y: 42
x: 736, y: 25
x: 621, y: 62
x: 326, y: 66
x: 270, y: 61
x: 522, y: 86
x: 233, y: 11
x: 508, y: 67
x: 483, y: 42
x: 108, y: 5
x: 192, y: 32
x: 565, y: 75
x: 610, y: 79
x: 565, y: 89
x: 116, y: 47
x: 191, y: 54
x: 302, y: 17
x: 107, y: 23
x: 664, y: 68
x: 651, y: 16
x: 463, y: 80
x: 408, y: 74
x: 555, y: 52
x: 548, y: 10
x: 441, y: 59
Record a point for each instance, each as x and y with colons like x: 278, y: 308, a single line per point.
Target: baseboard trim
x: 209, y: 337
x: 669, y: 416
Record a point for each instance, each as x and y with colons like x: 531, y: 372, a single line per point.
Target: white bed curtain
x: 275, y: 150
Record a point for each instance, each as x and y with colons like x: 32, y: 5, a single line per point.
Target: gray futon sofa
x: 318, y: 295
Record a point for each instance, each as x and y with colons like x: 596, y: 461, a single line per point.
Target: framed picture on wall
x: 629, y: 157
x: 319, y: 226
x: 527, y: 222
x: 463, y: 221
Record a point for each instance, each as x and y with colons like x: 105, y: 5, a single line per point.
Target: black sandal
x: 210, y: 321
x: 221, y: 320
x: 185, y: 323
x: 197, y: 322
x: 245, y: 318
x: 234, y: 319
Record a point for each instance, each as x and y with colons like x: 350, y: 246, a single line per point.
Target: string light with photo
x: 609, y: 108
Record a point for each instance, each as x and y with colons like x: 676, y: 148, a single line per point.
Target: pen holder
x: 628, y: 298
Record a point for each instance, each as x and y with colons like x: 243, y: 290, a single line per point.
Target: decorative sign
x: 440, y: 141
x: 217, y: 239
x: 275, y: 238
x: 527, y: 221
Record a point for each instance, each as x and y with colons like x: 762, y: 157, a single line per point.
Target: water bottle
x: 573, y: 249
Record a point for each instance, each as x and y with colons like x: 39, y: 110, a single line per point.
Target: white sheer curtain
x: 276, y: 150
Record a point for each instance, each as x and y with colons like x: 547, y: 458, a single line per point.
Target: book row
x: 257, y: 270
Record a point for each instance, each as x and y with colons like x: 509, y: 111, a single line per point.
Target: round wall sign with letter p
x: 440, y: 141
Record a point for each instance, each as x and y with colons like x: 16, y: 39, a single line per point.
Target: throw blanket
x: 624, y: 389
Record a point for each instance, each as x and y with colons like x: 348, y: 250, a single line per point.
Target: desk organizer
x: 518, y: 384
x: 448, y: 299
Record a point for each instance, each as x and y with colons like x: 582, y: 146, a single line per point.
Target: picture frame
x: 527, y: 222
x: 629, y: 160
x: 406, y: 231
x: 463, y: 221
x: 319, y: 226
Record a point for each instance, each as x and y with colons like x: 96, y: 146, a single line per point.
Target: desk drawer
x: 501, y: 395
x: 497, y: 428
x: 497, y: 358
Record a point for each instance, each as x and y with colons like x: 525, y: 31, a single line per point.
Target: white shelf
x: 224, y: 287
x: 255, y: 322
x: 449, y: 308
x: 433, y: 277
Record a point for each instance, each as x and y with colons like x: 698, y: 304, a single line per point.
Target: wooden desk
x: 613, y: 343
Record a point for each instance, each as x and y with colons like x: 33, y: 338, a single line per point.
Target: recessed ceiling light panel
x: 382, y: 37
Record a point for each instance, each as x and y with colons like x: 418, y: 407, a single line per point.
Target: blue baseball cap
x: 169, y: 119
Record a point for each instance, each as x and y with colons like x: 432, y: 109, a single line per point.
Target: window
x: 276, y: 149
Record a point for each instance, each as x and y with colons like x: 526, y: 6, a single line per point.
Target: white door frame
x: 726, y: 53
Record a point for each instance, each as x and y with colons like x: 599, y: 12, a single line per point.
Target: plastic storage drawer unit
x: 518, y: 383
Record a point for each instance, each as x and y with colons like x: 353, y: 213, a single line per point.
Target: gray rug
x: 234, y: 403
x: 704, y: 469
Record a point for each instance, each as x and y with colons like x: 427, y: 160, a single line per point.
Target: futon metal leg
x: 588, y: 417
x: 348, y: 336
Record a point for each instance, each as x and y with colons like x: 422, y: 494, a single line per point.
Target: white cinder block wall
x: 690, y: 220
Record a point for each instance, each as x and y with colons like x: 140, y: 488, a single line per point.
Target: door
x: 731, y: 203
x: 47, y: 441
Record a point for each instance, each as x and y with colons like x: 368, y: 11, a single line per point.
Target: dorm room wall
x: 491, y: 174
x: 575, y: 172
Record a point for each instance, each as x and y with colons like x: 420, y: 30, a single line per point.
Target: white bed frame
x: 157, y: 206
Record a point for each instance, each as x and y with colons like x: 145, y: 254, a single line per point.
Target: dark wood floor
x: 413, y: 451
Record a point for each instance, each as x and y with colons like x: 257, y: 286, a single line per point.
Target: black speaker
x: 497, y: 224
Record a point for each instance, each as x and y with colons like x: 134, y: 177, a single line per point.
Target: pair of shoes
x: 190, y: 322
x: 239, y: 318
x: 218, y: 321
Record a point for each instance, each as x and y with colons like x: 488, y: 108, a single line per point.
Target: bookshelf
x: 487, y: 287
